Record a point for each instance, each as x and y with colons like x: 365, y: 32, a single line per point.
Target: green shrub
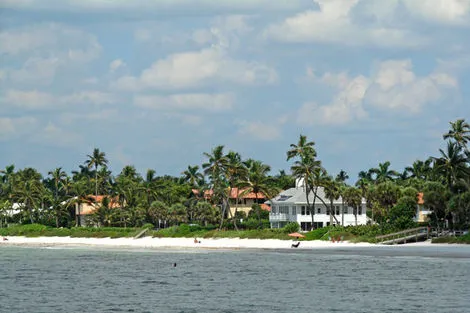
x: 148, y: 226
x: 291, y: 227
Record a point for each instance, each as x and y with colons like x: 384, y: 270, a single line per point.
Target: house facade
x: 291, y: 206
x: 85, y: 207
x: 422, y: 213
x: 240, y: 200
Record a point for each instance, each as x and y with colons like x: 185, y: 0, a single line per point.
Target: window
x: 294, y: 210
x: 318, y: 210
x: 307, y: 211
x: 284, y: 209
x: 337, y: 209
x: 274, y: 209
x: 303, y: 210
x: 359, y: 212
x: 327, y: 211
x: 345, y: 210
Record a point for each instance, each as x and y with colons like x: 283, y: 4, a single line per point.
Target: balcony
x: 278, y: 217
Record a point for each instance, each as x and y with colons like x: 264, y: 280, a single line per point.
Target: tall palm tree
x: 215, y: 169
x: 384, y: 173
x: 303, y: 149
x: 419, y: 169
x: 332, y: 192
x: 192, y: 175
x: 353, y: 198
x: 58, y: 176
x: 342, y: 176
x: 452, y: 163
x: 236, y: 171
x: 306, y: 168
x: 459, y: 131
x: 258, y: 182
x: 96, y: 159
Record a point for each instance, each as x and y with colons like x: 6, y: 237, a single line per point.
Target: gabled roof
x: 233, y: 195
x: 296, y: 195
x: 92, y: 203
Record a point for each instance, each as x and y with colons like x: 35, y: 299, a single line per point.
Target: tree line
x: 391, y: 196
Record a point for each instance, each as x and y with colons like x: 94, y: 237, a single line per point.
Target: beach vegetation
x: 203, y: 202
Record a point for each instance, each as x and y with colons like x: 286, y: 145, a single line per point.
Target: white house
x: 291, y: 206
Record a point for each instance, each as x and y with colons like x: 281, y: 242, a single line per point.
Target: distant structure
x: 291, y: 206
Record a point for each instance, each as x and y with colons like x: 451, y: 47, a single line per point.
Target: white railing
x: 278, y: 217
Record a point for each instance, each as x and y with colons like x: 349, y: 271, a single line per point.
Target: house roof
x: 233, y: 194
x: 265, y: 207
x: 420, y: 198
x: 296, y: 195
x: 91, y: 203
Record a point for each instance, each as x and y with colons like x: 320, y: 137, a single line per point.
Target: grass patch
x: 459, y: 240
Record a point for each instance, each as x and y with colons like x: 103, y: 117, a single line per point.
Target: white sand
x: 148, y: 242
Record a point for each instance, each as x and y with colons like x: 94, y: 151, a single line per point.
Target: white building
x: 291, y: 206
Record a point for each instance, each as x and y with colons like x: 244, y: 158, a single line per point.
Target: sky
x: 156, y: 83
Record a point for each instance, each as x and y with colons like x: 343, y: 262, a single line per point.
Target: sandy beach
x: 149, y: 242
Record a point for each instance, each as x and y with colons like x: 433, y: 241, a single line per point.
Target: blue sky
x: 155, y: 83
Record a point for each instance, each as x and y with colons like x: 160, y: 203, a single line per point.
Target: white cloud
x: 395, y: 86
x: 54, y: 135
x: 441, y: 11
x: 12, y: 127
x: 116, y: 64
x: 197, y: 68
x: 38, y: 100
x: 186, y: 102
x: 151, y: 5
x: 31, y: 99
x: 392, y: 87
x: 259, y: 130
x: 333, y: 23
x: 38, y: 71
x: 44, y: 40
x: 346, y: 105
x: 89, y: 96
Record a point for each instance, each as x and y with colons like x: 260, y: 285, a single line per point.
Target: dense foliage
x: 179, y: 205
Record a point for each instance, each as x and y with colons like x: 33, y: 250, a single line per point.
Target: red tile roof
x: 420, y: 198
x: 233, y: 195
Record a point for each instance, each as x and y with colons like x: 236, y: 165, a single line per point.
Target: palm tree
x: 303, y: 149
x: 383, y: 173
x: 342, y: 176
x: 58, y: 176
x: 332, y: 192
x: 258, y: 182
x: 353, y: 198
x: 96, y: 159
x: 419, y: 169
x: 236, y: 171
x: 459, y: 131
x: 192, y: 175
x: 452, y: 164
x: 215, y: 169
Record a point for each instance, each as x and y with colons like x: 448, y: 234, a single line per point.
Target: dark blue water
x: 378, y: 279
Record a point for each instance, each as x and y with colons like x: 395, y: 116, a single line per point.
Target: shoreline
x: 209, y: 243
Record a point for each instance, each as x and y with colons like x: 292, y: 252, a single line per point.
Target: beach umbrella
x: 296, y: 235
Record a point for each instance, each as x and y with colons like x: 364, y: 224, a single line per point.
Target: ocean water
x: 377, y: 279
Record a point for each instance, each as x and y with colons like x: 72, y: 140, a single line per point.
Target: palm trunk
x: 342, y: 211
x: 96, y: 182
x: 236, y: 209
x: 331, y: 212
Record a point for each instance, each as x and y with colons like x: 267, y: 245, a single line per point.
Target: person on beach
x: 196, y: 241
x: 5, y: 239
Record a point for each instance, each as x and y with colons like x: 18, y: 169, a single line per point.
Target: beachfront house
x: 422, y: 212
x: 88, y: 205
x: 240, y: 200
x: 291, y: 206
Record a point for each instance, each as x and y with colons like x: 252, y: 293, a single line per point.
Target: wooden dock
x: 404, y: 236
